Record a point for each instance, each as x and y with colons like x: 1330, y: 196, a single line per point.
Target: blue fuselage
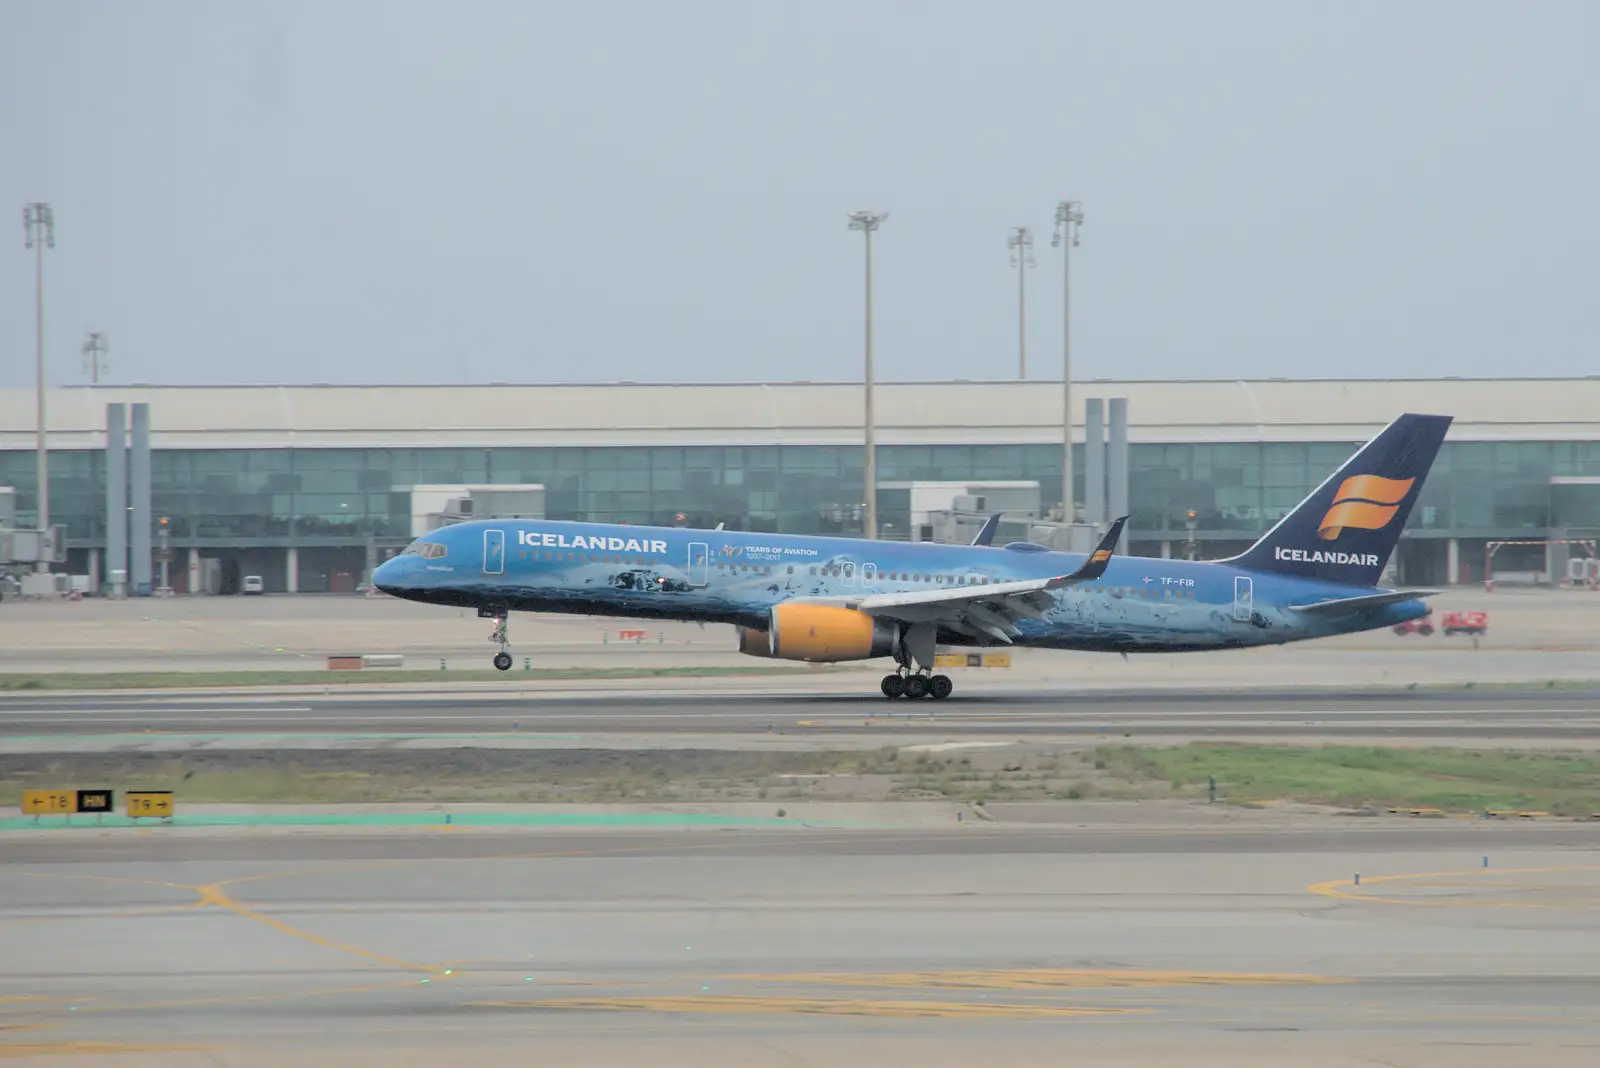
x: 1138, y: 605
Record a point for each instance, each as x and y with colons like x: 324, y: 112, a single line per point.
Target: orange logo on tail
x: 1100, y: 556
x: 1366, y: 502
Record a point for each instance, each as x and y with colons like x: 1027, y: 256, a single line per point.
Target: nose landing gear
x: 502, y: 659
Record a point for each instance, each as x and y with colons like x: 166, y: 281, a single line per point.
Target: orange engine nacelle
x: 819, y: 633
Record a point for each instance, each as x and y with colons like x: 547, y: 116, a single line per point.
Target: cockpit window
x: 428, y: 550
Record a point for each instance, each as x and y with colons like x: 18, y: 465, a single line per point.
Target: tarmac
x: 892, y: 934
x: 1118, y: 944
x: 728, y: 714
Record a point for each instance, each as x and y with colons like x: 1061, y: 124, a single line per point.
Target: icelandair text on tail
x: 1317, y: 556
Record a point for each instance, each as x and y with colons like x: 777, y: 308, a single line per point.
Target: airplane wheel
x: 916, y: 686
x: 940, y: 686
x: 893, y: 686
x: 502, y: 661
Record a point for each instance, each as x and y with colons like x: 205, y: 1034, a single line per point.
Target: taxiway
x: 976, y: 944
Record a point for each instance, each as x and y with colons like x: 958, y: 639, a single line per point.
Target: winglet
x: 986, y: 535
x: 1098, y: 560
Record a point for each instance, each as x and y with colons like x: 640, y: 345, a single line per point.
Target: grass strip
x: 1450, y: 779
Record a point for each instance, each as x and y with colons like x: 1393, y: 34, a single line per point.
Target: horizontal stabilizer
x: 1342, y: 605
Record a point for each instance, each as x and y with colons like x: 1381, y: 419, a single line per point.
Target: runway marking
x: 810, y: 1006
x: 97, y: 878
x: 1047, y: 979
x: 945, y: 747
x: 145, y: 712
x: 212, y: 894
x: 10, y: 1051
x: 1334, y: 888
x: 235, y: 999
x: 949, y: 715
x: 115, y: 915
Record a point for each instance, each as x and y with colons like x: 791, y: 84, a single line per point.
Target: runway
x: 29, y: 720
x: 962, y: 946
x: 1128, y: 934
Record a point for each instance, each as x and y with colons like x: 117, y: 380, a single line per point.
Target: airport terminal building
x: 303, y: 485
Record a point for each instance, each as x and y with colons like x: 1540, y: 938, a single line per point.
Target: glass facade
x: 282, y: 497
x: 1488, y: 489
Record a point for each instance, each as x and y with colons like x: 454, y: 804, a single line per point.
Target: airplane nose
x: 389, y: 574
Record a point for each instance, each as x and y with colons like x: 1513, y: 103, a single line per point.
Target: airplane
x: 828, y: 599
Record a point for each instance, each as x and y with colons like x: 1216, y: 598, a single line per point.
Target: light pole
x: 1069, y: 216
x: 867, y: 222
x: 95, y: 346
x: 1021, y: 245
x: 39, y: 224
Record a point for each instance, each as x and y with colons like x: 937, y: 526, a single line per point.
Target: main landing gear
x: 915, y: 686
x: 914, y: 652
x: 502, y: 659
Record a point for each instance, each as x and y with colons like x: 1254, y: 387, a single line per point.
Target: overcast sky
x: 396, y: 191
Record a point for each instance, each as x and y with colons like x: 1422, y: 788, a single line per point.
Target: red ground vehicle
x: 1465, y: 623
x: 1422, y: 626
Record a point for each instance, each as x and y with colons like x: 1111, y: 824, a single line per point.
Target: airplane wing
x: 986, y: 535
x: 991, y: 610
x: 1341, y: 605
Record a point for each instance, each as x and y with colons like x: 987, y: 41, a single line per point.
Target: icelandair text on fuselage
x: 1317, y: 556
x: 590, y: 541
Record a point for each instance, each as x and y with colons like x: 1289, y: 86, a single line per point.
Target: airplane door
x: 494, y: 552
x: 869, y: 574
x: 699, y: 562
x: 1242, y: 603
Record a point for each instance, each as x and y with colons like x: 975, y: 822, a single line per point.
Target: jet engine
x: 819, y: 634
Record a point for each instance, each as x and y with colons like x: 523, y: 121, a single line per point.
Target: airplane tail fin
x: 1346, y: 530
x: 986, y: 535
